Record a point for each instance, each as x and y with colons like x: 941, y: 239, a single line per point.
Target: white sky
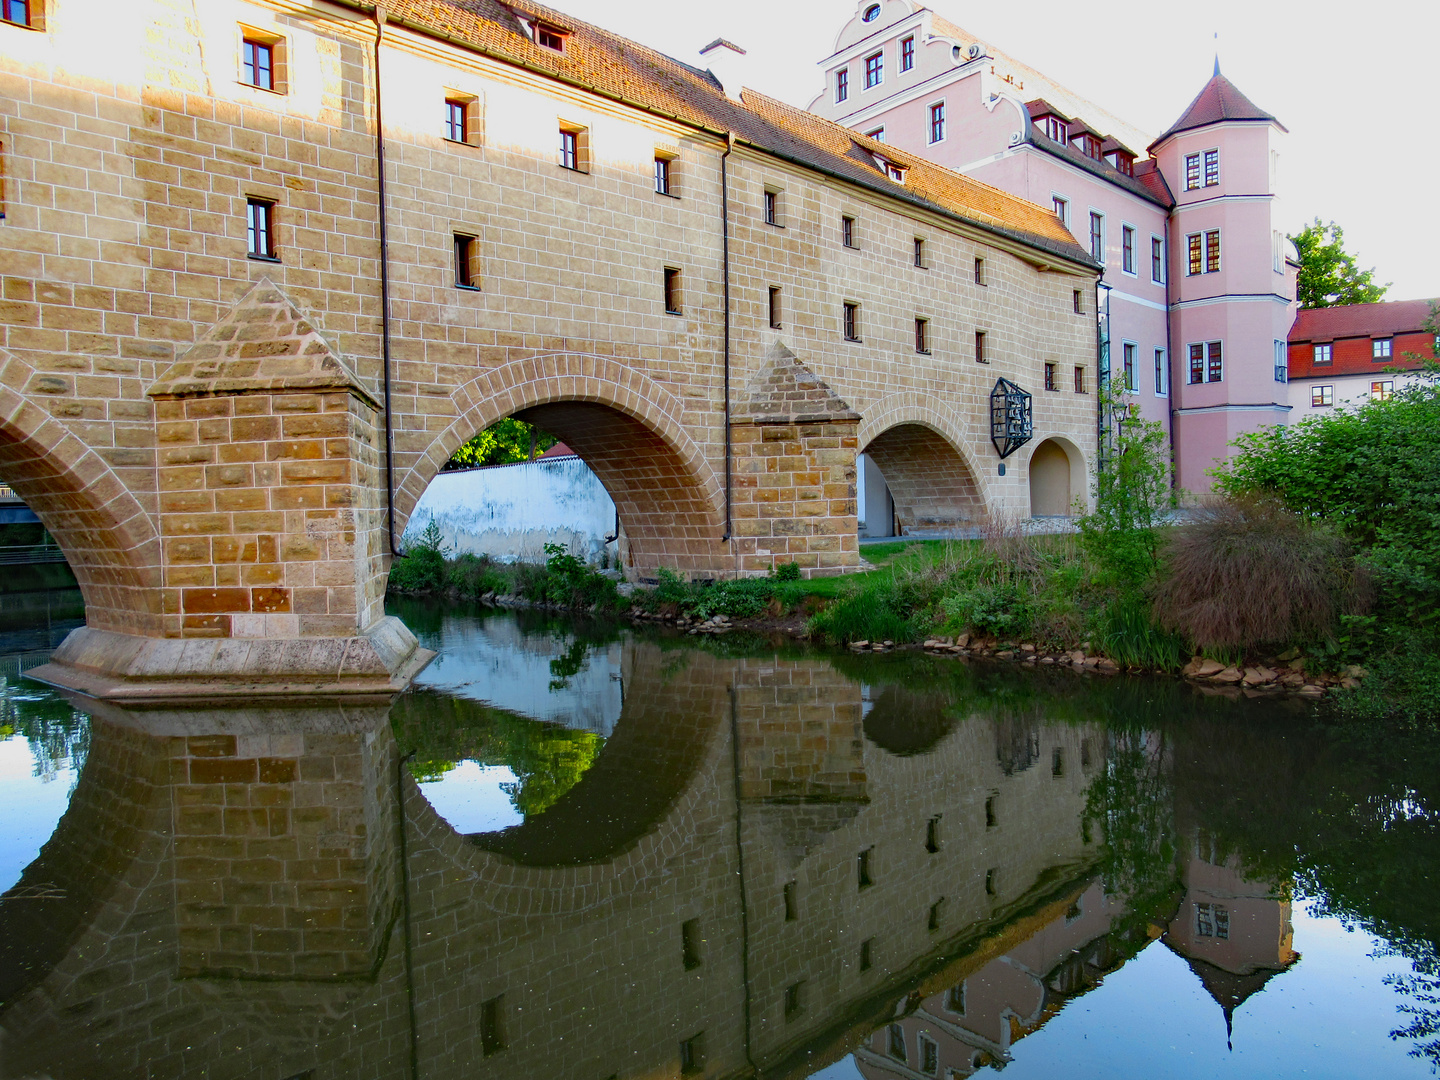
x: 1356, y: 84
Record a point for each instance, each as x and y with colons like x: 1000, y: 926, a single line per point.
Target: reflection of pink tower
x: 1234, y: 933
x: 1232, y: 287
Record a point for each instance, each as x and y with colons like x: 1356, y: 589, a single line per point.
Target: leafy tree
x: 501, y: 443
x: 1328, y: 274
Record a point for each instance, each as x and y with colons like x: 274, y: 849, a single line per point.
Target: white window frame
x: 1323, y: 393
x: 1131, y: 385
x: 878, y: 134
x: 865, y: 84
x: 840, y: 96
x: 1382, y: 348
x: 1164, y: 258
x: 930, y: 122
x: 1162, y: 371
x: 1064, y: 202
x: 1134, y: 261
x: 1204, y: 163
x: 1282, y: 361
x: 1104, y: 237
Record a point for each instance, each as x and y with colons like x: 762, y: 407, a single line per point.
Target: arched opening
x: 668, y: 504
x: 924, y: 483
x: 1056, y: 479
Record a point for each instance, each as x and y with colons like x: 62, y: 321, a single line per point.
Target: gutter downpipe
x: 1171, y: 362
x: 725, y: 259
x: 378, y: 11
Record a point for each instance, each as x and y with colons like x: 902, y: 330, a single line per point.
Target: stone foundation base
x: 143, y: 671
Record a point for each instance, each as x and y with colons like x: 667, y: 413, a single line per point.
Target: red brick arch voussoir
x: 107, y: 536
x: 559, y: 378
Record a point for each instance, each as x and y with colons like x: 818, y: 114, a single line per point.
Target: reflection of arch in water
x: 907, y: 722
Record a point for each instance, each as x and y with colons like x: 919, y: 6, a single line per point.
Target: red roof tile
x: 1360, y: 320
x: 1218, y: 101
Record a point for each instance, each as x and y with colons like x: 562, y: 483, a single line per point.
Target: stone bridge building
x: 231, y: 358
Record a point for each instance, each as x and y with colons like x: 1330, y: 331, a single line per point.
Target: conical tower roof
x: 1220, y: 100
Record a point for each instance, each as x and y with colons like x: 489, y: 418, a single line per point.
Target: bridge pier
x: 271, y: 529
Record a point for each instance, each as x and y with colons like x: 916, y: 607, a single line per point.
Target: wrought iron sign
x: 1011, y: 419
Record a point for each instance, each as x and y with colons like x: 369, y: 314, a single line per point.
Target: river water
x: 579, y: 851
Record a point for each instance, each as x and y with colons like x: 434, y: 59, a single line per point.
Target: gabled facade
x: 901, y: 73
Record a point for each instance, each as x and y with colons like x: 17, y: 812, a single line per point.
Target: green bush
x: 422, y: 566
x: 786, y: 571
x: 1127, y: 636
x: 999, y: 611
x: 566, y: 581
x: 872, y: 613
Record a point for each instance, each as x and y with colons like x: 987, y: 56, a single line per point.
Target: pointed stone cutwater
x: 272, y: 529
x: 793, y: 497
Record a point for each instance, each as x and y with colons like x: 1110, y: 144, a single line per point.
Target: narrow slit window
x: 1079, y: 380
x: 1079, y: 302
x: 852, y: 321
x: 982, y: 353
x: 990, y: 882
x: 457, y: 126
x: 465, y: 276
x: 867, y: 954
x: 1057, y: 761
x: 937, y: 912
x: 1097, y: 237
x: 1162, y: 374
x: 1127, y: 249
x: 690, y: 944
x: 932, y: 835
x: 937, y: 122
x: 260, y: 228
x: 772, y: 208
x: 794, y: 1003
x: 662, y: 175
x: 492, y: 1026
x: 692, y: 1055
x: 920, y: 252
x: 979, y: 271
x: 990, y: 819
x: 774, y: 307
x: 1050, y: 383
x: 922, y: 336
x: 847, y: 231
x: 864, y: 869
x: 792, y: 907
x: 1157, y: 260
x: 672, y: 290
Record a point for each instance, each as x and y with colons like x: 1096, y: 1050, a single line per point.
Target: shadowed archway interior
x: 931, y: 484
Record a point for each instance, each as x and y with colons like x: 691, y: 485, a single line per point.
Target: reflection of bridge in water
x: 752, y: 874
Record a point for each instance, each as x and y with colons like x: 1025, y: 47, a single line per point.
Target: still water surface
x: 576, y: 851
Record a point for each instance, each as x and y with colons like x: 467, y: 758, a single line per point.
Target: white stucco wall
x: 510, y: 512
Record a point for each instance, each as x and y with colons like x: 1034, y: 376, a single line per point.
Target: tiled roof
x: 1360, y: 320
x: 614, y: 67
x: 1136, y: 185
x: 1218, y: 101
x: 1149, y: 176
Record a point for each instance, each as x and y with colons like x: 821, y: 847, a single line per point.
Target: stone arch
x: 627, y: 427
x: 931, y: 474
x: 1055, y: 476
x: 108, y: 538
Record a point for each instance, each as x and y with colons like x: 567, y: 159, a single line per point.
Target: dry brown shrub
x: 1004, y: 539
x: 1247, y: 572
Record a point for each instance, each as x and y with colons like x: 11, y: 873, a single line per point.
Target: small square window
x: 260, y: 228
x: 847, y: 231
x: 1382, y: 389
x: 1050, y: 381
x: 1323, y: 354
x: 258, y: 63
x: 1322, y: 397
x: 672, y: 290
x: 465, y: 276
x: 774, y: 307
x: 982, y: 354
x: 1380, y: 348
x: 979, y: 271
x: 922, y: 336
x: 456, y: 126
x: 21, y: 13
x: 852, y: 321
x: 878, y: 134
x: 549, y: 37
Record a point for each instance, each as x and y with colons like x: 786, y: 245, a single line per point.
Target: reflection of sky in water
x: 1328, y: 1016
x: 30, y: 806
x: 469, y: 797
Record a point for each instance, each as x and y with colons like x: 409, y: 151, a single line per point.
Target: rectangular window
x: 847, y: 231
x: 937, y: 912
x: 1162, y: 373
x: 16, y: 11
x: 692, y: 1055
x: 1192, y: 172
x: 492, y: 1026
x: 895, y: 1044
x: 662, y: 175
x: 455, y: 120
x: 1195, y: 251
x: 1097, y: 236
x: 1382, y: 389
x: 937, y: 122
x: 982, y: 355
x: 1322, y: 396
x: 863, y: 868
x: 1212, y: 251
x: 1079, y: 302
x: 907, y: 53
x: 932, y: 835
x: 549, y: 38
x: 1079, y: 380
x: 575, y: 148
x: 842, y: 85
x: 1057, y: 761
x: 260, y: 228
x: 1212, y: 168
x: 1197, y: 364
x: 1157, y: 260
x: 775, y: 307
x: 1323, y: 354
x: 257, y: 63
x: 1050, y: 376
x: 464, y: 261
x: 992, y: 884
x: 793, y: 1004
x: 867, y: 954
x: 772, y: 208
x: 1061, y: 205
x: 991, y: 820
x: 852, y: 321
x: 1127, y: 249
x: 1128, y: 353
x: 979, y: 270
x: 672, y: 290
x: 874, y: 70
x: 1282, y: 361
x: 1214, y: 367
x: 1056, y: 129
x: 1380, y: 348
x: 920, y: 252
x: 792, y: 908
x: 690, y: 944
x: 922, y: 336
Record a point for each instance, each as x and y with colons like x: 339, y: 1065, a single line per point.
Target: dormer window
x: 1123, y: 162
x: 1089, y: 146
x: 894, y: 172
x: 549, y: 37
x: 1054, y: 128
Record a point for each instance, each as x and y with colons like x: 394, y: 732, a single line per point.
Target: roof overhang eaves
x: 1213, y: 123
x: 1100, y: 170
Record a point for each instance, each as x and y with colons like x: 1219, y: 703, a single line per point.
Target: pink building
x: 1198, y: 291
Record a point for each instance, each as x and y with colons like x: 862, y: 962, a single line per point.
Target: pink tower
x: 1232, y: 282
